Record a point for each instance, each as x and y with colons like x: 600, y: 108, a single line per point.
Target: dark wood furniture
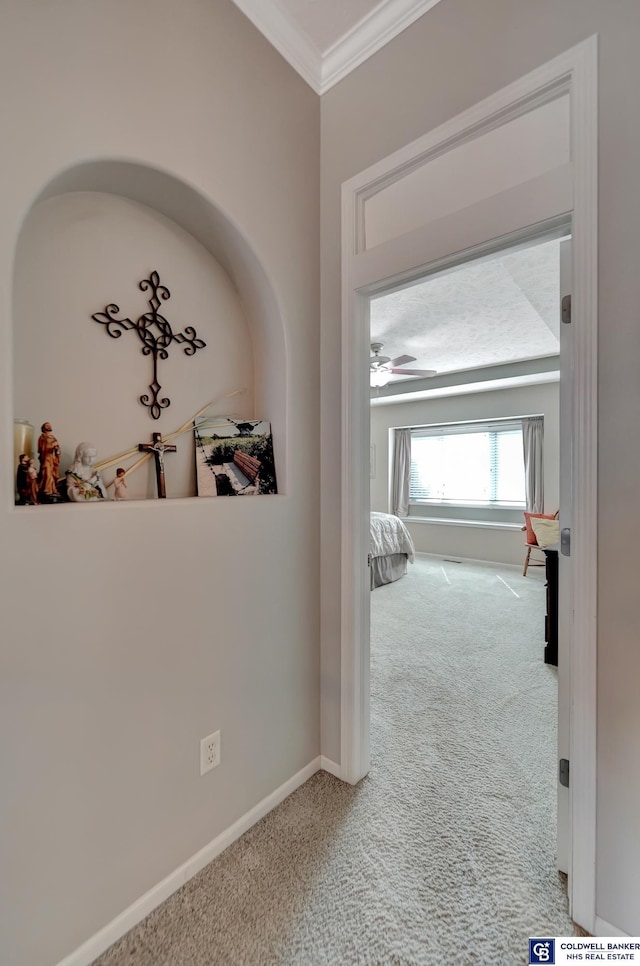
x: 551, y: 619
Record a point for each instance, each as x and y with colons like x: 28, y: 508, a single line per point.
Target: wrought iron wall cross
x: 154, y: 345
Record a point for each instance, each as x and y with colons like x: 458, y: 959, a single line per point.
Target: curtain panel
x: 401, y: 472
x: 533, y: 446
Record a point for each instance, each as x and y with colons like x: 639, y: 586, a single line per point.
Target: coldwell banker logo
x: 542, y: 951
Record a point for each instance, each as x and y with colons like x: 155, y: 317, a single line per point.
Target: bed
x: 391, y: 547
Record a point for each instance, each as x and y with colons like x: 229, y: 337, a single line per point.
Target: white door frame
x: 574, y: 72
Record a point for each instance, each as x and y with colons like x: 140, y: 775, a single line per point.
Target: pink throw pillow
x: 531, y: 537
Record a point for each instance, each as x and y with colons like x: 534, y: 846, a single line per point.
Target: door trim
x: 574, y: 72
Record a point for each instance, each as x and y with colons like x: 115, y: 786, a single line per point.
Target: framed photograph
x: 234, y: 457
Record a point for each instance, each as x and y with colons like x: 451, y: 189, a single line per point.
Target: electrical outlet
x: 209, y: 752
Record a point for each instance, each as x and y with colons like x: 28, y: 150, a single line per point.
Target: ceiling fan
x: 381, y: 368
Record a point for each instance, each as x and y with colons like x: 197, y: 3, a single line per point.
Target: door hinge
x: 368, y: 560
x: 565, y: 313
x: 563, y: 772
x: 565, y: 542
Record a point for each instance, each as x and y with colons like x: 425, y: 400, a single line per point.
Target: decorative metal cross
x: 154, y: 345
x: 158, y: 448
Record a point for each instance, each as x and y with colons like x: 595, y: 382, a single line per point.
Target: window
x: 478, y: 464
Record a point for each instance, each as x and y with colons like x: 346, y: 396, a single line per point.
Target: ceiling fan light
x: 379, y: 377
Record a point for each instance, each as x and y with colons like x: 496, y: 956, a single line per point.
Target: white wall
x: 477, y: 543
x: 455, y: 55
x: 128, y: 636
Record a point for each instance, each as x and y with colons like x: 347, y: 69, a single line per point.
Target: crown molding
x: 294, y: 46
x: 504, y: 375
x: 323, y: 70
x: 384, y: 23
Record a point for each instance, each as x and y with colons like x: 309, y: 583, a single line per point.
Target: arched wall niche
x: 189, y: 209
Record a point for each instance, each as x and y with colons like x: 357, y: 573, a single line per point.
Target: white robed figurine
x: 83, y: 480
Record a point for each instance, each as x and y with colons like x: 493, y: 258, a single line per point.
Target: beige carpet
x: 444, y: 854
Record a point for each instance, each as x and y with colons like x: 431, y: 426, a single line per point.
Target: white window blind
x: 474, y: 464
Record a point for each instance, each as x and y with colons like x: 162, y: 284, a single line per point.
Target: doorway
x: 569, y: 187
x: 491, y: 330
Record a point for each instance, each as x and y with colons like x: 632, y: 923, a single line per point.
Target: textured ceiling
x: 505, y: 309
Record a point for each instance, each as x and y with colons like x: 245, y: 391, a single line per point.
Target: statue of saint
x: 32, y: 475
x: 120, y: 485
x: 23, y: 483
x: 49, y: 456
x: 83, y: 480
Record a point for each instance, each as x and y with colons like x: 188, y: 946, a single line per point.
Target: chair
x: 528, y: 562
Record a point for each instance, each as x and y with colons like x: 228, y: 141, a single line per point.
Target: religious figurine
x: 49, y: 456
x: 120, y: 485
x: 32, y: 476
x: 83, y: 480
x: 22, y: 480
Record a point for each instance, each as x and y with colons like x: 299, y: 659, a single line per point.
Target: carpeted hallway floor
x: 444, y: 854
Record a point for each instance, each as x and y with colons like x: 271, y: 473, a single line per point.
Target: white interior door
x: 564, y: 561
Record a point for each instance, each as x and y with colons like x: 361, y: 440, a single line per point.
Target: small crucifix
x: 158, y: 448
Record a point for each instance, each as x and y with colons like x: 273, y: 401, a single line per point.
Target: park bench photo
x: 234, y: 458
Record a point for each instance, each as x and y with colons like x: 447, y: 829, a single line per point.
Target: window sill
x: 449, y: 522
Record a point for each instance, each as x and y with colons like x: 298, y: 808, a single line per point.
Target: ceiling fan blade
x: 402, y: 360
x: 414, y: 372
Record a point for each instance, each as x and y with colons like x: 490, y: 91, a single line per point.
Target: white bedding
x: 389, y: 535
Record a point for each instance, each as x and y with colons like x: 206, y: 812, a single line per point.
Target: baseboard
x: 606, y: 929
x: 137, y: 911
x: 452, y: 557
x: 326, y: 764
